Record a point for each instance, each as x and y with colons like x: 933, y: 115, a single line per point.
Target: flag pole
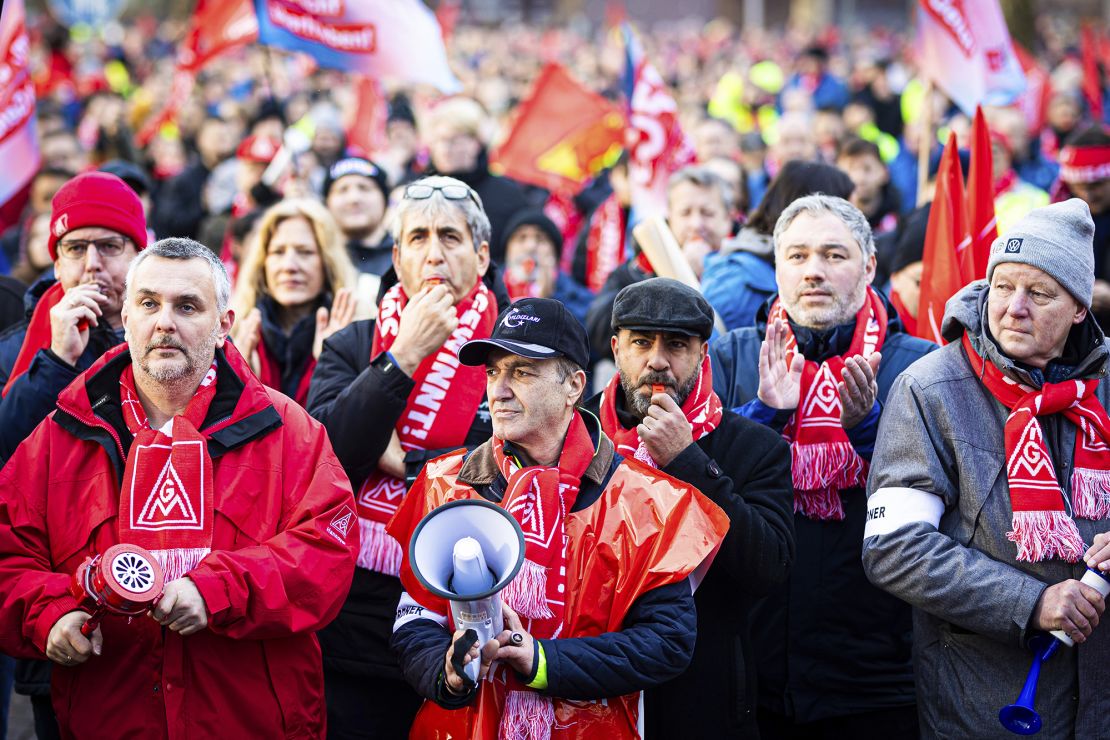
x: 925, y: 145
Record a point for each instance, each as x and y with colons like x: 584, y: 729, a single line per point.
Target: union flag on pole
x: 657, y: 146
x: 964, y: 47
x: 399, y: 39
x: 980, y: 202
x: 562, y: 134
x: 946, y: 239
x: 19, y: 148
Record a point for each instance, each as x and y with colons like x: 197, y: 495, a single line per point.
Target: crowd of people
x: 756, y: 506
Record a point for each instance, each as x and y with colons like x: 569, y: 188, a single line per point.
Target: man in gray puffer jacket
x: 968, y: 523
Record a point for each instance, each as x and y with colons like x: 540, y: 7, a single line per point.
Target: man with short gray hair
x: 392, y: 395
x: 816, y: 368
x: 171, y: 444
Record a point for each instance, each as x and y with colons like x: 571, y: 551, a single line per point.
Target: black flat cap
x: 663, y: 304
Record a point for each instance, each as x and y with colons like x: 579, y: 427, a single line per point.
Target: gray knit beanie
x: 1058, y: 239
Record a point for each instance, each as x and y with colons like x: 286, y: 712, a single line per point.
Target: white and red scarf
x: 605, y: 243
x: 702, y: 408
x: 824, y: 461
x: 539, y: 498
x: 167, y: 497
x: 438, y: 414
x: 1042, y: 527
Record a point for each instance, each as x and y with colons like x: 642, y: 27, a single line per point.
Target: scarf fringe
x: 527, y: 716
x: 825, y: 465
x: 1091, y: 493
x: 378, y: 552
x: 1040, y: 535
x: 527, y: 593
x: 821, y: 505
x: 178, y: 561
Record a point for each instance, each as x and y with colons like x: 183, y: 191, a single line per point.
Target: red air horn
x: 125, y: 580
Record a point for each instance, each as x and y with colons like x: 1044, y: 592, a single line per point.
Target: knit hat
x: 356, y: 166
x: 1058, y: 239
x: 96, y: 199
x: 533, y: 217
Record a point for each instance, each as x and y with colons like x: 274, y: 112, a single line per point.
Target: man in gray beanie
x: 989, y: 493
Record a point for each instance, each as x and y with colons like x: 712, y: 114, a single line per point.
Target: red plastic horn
x: 124, y: 580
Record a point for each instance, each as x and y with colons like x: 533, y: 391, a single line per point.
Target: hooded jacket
x: 942, y: 436
x: 279, y: 569
x: 740, y: 278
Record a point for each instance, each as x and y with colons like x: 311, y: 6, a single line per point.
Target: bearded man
x: 830, y: 350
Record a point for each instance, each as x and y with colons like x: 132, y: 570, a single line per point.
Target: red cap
x: 259, y: 149
x: 96, y: 199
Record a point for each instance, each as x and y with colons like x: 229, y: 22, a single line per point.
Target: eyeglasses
x: 420, y: 191
x: 75, y: 249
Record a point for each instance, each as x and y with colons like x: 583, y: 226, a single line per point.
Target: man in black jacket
x: 601, y: 608
x: 392, y: 395
x: 660, y: 408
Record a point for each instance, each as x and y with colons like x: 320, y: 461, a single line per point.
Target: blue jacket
x: 575, y: 296
x: 33, y: 395
x: 813, y: 636
x: 736, y: 284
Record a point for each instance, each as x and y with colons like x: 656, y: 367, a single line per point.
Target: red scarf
x: 540, y: 498
x: 702, y: 409
x: 1042, y: 527
x: 269, y: 372
x: 908, y: 322
x: 438, y: 414
x: 824, y: 461
x: 1004, y: 183
x: 604, y: 243
x: 166, y: 500
x: 38, y: 333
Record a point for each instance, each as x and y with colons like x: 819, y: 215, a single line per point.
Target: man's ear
x: 577, y: 388
x: 224, y: 327
x: 1080, y: 314
x: 483, y: 259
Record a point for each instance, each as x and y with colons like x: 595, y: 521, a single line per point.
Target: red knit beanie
x: 96, y: 199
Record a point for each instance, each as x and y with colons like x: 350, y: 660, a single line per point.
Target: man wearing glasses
x: 392, y: 395
x: 96, y: 227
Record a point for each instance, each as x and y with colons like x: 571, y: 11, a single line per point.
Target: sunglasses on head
x: 420, y: 191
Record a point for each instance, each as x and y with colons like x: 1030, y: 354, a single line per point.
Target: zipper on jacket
x: 95, y: 421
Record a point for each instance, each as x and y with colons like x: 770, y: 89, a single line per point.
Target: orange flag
x: 980, y: 204
x: 562, y: 134
x: 946, y: 238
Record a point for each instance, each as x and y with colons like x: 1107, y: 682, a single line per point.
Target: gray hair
x: 703, y: 177
x: 437, y: 204
x: 819, y: 203
x: 179, y: 248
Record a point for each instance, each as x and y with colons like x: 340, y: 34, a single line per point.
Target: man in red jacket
x: 170, y: 443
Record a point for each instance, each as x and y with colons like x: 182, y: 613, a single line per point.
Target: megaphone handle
x: 92, y: 623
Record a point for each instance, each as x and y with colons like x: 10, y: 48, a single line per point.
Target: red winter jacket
x: 281, y: 564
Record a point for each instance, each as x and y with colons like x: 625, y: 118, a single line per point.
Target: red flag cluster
x: 960, y: 231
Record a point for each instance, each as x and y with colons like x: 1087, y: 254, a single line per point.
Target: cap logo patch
x: 61, y: 226
x: 1013, y: 246
x: 515, y: 319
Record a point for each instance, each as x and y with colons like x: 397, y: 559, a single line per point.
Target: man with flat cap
x: 661, y: 410
x: 602, y: 606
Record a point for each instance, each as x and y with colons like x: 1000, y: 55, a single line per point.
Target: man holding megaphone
x: 601, y: 608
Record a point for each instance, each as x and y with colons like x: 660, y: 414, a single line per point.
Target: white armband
x: 408, y: 610
x: 889, y: 509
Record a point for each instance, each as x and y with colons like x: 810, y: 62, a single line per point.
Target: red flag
x: 367, y: 130
x: 946, y: 237
x: 1092, y: 77
x: 447, y: 15
x: 980, y: 203
x: 562, y: 134
x: 1033, y: 103
x: 19, y: 149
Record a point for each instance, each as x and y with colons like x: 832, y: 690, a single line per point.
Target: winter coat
x: 278, y: 571
x: 813, y: 637
x: 180, y: 207
x: 947, y: 552
x: 740, y: 278
x: 744, y: 468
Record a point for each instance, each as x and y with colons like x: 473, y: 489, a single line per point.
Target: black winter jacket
x: 744, y: 468
x: 830, y: 644
x: 599, y: 319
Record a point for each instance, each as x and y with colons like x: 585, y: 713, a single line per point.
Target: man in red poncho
x: 170, y: 443
x: 601, y: 608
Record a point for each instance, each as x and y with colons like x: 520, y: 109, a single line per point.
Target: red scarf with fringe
x: 38, y: 333
x: 438, y: 414
x: 1042, y: 528
x: 702, y: 408
x: 604, y: 243
x: 824, y: 461
x: 540, y: 498
x: 167, y: 497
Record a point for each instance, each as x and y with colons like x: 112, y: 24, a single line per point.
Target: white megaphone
x: 466, y: 552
